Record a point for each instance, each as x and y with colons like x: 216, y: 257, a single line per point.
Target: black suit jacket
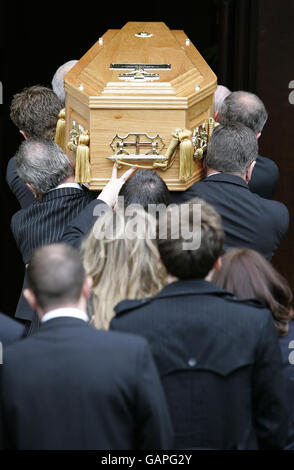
x: 10, y: 330
x: 44, y: 222
x: 24, y: 196
x: 220, y: 365
x: 265, y: 177
x: 249, y: 220
x: 73, y: 387
x: 81, y: 225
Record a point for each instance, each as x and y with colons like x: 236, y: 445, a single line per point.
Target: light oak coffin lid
x: 189, y: 80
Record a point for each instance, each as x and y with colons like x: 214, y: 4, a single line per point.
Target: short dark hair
x: 244, y: 107
x: 56, y: 274
x: 42, y: 164
x: 145, y: 187
x: 35, y: 111
x: 231, y: 148
x: 194, y: 263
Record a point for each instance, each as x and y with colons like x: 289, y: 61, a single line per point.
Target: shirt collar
x: 227, y: 178
x: 67, y: 185
x: 65, y: 312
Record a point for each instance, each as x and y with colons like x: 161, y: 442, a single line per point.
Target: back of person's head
x: 55, y: 274
x: 220, y: 94
x: 145, y: 187
x: 35, y: 111
x: 244, y: 107
x: 231, y: 148
x: 121, y: 256
x: 197, y: 262
x: 248, y: 275
x: 42, y: 164
x: 58, y: 79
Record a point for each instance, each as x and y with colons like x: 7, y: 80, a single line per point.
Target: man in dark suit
x: 70, y: 386
x: 218, y: 357
x: 10, y: 330
x: 247, y: 108
x: 248, y: 219
x: 34, y: 111
x: 49, y: 176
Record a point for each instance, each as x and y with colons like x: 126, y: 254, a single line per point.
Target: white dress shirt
x: 65, y: 312
x: 67, y: 185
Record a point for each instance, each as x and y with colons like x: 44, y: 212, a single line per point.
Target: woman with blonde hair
x: 121, y: 255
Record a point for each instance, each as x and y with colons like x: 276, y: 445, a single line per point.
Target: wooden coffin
x: 130, y: 91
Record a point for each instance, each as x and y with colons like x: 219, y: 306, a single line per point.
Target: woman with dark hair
x: 248, y: 275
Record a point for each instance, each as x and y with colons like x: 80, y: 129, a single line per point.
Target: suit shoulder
x: 249, y: 306
x: 277, y: 211
x: 271, y: 207
x: 227, y: 302
x: 114, y: 338
x: 269, y: 164
x: 10, y: 330
x: 10, y: 169
x: 6, y: 320
x: 111, y: 343
x: 17, y: 219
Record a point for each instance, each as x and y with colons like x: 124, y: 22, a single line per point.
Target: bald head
x: 243, y: 107
x: 58, y: 79
x: 56, y: 275
x: 42, y: 164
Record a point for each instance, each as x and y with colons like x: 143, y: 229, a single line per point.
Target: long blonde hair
x: 123, y: 264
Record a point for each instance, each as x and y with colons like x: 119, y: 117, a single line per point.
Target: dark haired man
x: 218, y: 357
x: 249, y: 220
x: 71, y: 387
x: 34, y: 111
x: 143, y: 187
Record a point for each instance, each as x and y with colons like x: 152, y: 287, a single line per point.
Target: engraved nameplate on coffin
x: 139, y: 84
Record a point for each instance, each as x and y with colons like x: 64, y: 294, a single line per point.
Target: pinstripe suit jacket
x: 44, y: 222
